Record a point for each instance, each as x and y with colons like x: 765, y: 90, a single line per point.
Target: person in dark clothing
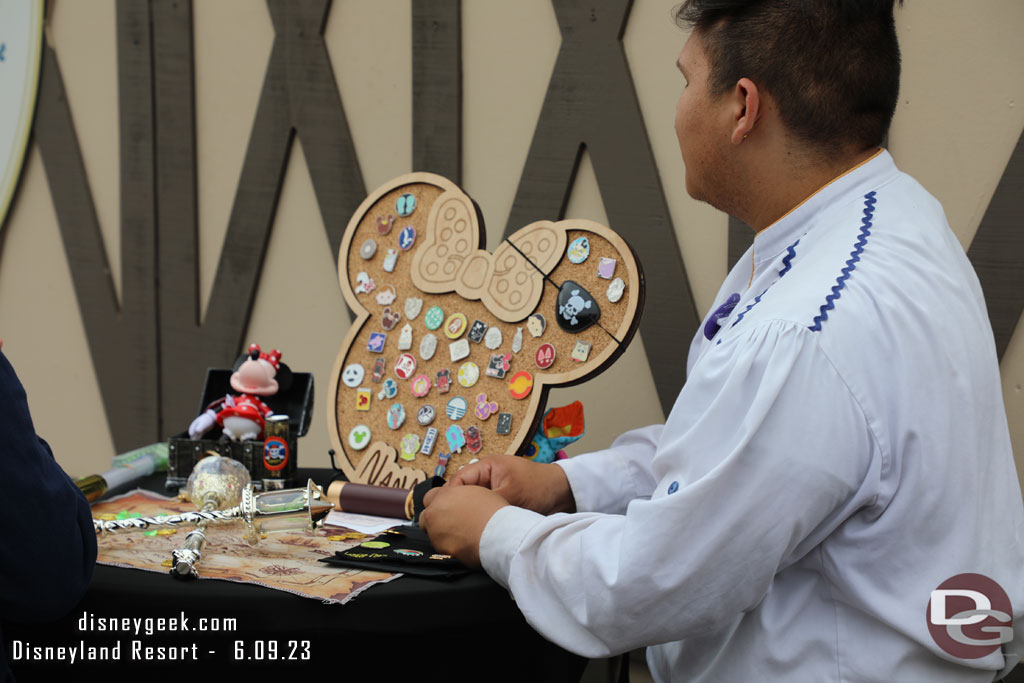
x: 48, y: 548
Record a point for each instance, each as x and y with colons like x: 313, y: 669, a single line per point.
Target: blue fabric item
x: 851, y: 264
x: 45, y: 571
x: 723, y: 311
x: 787, y: 264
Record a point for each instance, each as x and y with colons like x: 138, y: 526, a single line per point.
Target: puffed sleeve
x: 49, y: 550
x: 764, y: 453
x: 606, y: 481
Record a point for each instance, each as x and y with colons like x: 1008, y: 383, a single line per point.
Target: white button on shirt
x: 839, y: 450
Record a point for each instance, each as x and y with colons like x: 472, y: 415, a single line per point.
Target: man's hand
x: 455, y: 517
x: 542, y: 488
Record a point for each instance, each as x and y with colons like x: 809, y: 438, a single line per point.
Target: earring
x: 744, y: 136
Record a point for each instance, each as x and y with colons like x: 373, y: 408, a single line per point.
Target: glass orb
x: 218, y: 481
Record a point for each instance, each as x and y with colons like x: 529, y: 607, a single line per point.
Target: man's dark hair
x: 832, y: 66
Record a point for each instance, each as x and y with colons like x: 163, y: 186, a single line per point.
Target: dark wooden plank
x: 591, y: 101
x: 182, y: 366
x: 437, y: 87
x: 997, y: 251
x: 188, y: 347
x: 122, y: 338
x: 318, y: 115
x: 299, y: 96
x: 139, y: 333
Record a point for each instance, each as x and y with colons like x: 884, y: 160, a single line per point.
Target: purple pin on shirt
x: 711, y: 327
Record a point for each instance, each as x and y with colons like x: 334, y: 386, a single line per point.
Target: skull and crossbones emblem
x: 571, y: 308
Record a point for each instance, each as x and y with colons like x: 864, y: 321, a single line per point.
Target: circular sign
x: 275, y: 453
x: 21, y: 41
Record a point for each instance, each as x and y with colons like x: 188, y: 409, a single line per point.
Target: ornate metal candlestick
x: 267, y: 512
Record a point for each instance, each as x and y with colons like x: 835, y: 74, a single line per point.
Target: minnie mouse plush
x: 242, y: 417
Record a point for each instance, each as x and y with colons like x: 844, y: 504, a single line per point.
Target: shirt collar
x: 861, y: 179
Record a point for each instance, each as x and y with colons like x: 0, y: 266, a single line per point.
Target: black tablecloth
x: 464, y: 629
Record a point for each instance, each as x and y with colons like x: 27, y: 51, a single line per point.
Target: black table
x: 410, y: 628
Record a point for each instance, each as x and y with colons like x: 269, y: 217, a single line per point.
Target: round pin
x: 521, y: 384
x: 406, y: 238
x: 405, y: 366
x: 353, y: 375
x: 359, y: 437
x: 396, y: 415
x: 405, y: 204
x: 376, y: 545
x: 420, y: 386
x: 433, y: 318
x: 425, y: 415
x: 545, y: 356
x: 456, y: 408
x: 673, y: 487
x: 368, y: 249
x: 579, y: 250
x: 455, y: 325
x: 408, y: 552
x: 469, y: 373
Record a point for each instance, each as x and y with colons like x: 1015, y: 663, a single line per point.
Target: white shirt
x: 839, y: 450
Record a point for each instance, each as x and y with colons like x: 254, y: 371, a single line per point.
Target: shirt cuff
x: 502, y: 538
x: 598, y: 481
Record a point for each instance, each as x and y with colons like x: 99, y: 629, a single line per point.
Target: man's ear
x: 747, y: 108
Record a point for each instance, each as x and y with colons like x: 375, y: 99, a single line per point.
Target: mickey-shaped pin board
x: 539, y: 288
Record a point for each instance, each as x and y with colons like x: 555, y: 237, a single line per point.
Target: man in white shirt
x: 840, y: 448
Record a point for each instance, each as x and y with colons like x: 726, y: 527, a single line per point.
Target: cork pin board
x: 477, y: 338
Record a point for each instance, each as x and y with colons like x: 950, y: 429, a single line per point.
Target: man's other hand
x: 542, y: 488
x: 455, y: 516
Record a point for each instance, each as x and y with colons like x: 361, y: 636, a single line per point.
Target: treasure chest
x: 272, y: 460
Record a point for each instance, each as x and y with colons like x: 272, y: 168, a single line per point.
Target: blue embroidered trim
x: 749, y: 306
x: 851, y: 263
x: 787, y: 265
x: 787, y: 260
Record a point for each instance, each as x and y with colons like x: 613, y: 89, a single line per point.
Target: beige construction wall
x: 956, y: 125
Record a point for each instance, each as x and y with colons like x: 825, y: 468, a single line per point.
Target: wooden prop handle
x: 364, y: 499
